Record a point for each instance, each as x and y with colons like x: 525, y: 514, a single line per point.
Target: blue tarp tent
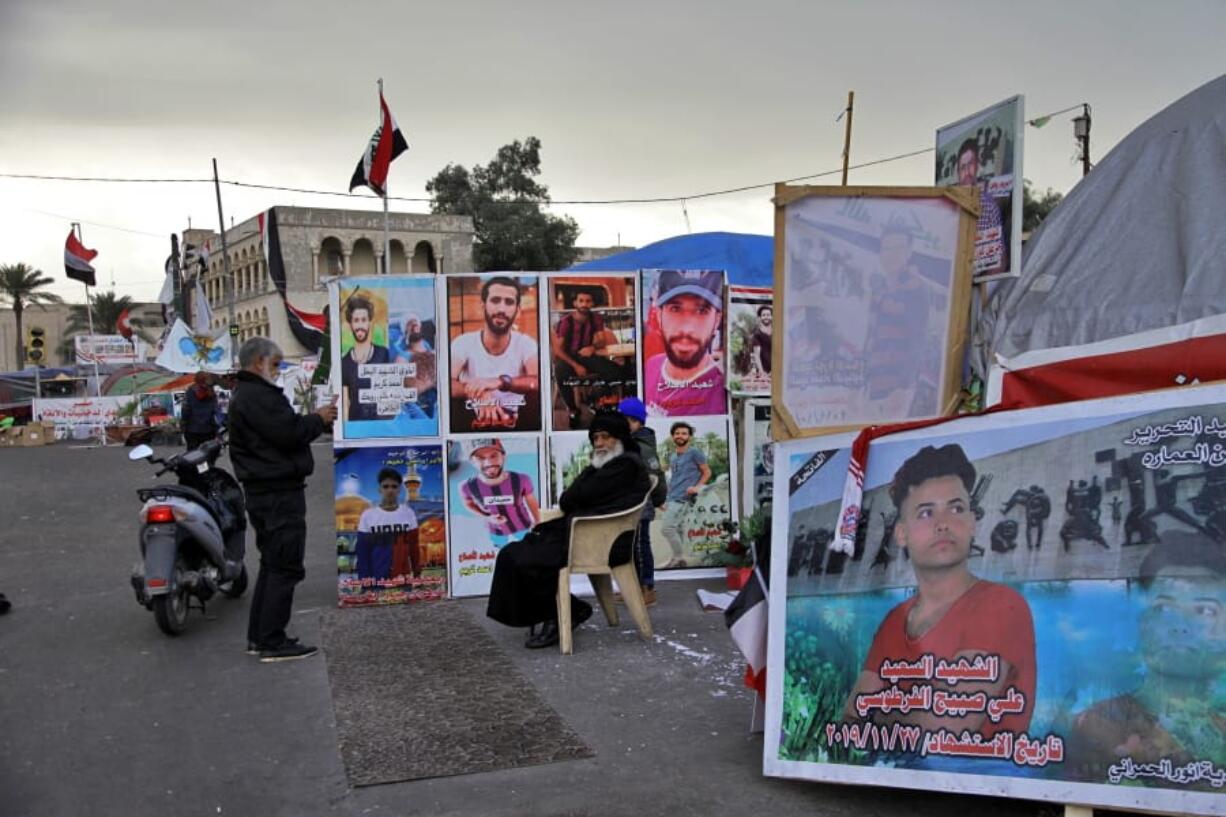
x: 748, y: 259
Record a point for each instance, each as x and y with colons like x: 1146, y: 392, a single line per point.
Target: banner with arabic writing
x: 391, y: 541
x: 1035, y: 607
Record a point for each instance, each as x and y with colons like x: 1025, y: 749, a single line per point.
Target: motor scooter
x: 192, y: 536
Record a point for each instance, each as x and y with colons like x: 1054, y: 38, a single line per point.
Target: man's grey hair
x: 254, y: 349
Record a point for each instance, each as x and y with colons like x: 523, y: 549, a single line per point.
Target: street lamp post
x: 1081, y: 132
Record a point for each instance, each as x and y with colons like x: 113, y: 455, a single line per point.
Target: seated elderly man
x: 524, y: 588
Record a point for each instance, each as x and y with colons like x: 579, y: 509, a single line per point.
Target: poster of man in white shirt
x: 495, y: 354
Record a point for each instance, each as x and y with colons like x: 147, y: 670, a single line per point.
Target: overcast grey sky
x: 630, y: 99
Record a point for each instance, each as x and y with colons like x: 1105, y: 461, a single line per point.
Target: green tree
x: 505, y: 201
x: 1037, y: 206
x: 20, y: 286
x: 108, y: 306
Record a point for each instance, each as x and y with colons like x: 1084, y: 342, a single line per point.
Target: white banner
x: 80, y: 411
x: 104, y: 350
x: 187, y: 352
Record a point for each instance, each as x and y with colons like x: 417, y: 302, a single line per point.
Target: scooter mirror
x: 141, y: 452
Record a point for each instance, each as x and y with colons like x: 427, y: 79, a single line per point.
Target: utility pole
x: 1081, y: 131
x: 851, y: 99
x: 228, y: 277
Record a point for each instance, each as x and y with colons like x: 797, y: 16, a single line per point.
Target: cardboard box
x: 31, y: 436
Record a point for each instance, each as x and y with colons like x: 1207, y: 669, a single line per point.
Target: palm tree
x: 108, y: 307
x: 20, y: 286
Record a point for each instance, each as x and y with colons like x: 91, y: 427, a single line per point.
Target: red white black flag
x: 387, y: 143
x: 76, y: 261
x: 307, y: 327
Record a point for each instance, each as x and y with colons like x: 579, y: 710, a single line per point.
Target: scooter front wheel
x: 170, y: 610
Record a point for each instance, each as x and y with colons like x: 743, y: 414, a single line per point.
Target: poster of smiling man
x: 494, y: 488
x: 683, y: 343
x: 593, y: 346
x: 384, y: 337
x: 984, y: 151
x: 1027, y: 604
x: 495, y: 383
x: 391, y: 544
x: 751, y: 322
x: 873, y: 285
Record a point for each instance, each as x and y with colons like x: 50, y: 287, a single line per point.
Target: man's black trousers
x: 279, y: 519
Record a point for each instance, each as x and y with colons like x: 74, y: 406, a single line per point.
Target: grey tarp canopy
x: 1140, y: 243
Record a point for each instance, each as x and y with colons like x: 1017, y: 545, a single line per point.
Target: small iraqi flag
x: 387, y: 143
x: 76, y: 261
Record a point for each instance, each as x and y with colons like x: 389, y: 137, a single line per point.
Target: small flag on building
x: 123, y: 324
x: 387, y: 143
x: 76, y: 261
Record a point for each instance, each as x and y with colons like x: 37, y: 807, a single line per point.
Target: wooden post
x: 851, y: 98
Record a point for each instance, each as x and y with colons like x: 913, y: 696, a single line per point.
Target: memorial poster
x: 684, y: 343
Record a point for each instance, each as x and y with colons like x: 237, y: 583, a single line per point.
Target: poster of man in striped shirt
x: 505, y: 499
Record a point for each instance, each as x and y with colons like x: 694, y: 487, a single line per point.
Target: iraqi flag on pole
x: 76, y: 261
x: 387, y: 143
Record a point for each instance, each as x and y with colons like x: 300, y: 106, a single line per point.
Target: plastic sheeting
x: 1138, y: 244
x: 749, y: 260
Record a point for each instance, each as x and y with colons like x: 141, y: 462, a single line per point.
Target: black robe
x: 524, y: 588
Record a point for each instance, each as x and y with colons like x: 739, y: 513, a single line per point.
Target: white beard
x: 601, y: 458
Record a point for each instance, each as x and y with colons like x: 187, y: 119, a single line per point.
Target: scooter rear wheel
x: 170, y: 610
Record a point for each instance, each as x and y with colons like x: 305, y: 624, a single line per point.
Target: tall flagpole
x: 228, y: 279
x: 89, y: 311
x: 387, y: 238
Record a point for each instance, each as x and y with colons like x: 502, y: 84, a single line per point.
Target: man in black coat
x: 524, y: 588
x: 270, y: 448
x: 199, y: 414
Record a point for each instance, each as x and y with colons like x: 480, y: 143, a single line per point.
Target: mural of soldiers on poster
x: 1034, y: 599
x: 384, y: 340
x: 592, y: 326
x: 684, y: 343
x: 391, y: 545
x: 495, y: 361
x: 494, y: 488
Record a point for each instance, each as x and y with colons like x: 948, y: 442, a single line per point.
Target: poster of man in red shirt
x: 954, y: 619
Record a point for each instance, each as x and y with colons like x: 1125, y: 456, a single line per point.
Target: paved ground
x: 100, y: 714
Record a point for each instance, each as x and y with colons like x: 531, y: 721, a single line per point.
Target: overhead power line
x: 555, y: 202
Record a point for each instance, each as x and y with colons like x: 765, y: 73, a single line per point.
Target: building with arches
x: 318, y: 243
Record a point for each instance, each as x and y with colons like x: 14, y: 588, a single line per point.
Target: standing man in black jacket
x: 270, y: 448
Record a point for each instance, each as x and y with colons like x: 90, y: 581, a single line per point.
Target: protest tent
x: 748, y: 259
x: 1137, y: 245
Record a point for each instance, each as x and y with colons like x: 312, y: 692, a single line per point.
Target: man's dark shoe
x: 286, y: 652
x: 254, y: 648
x: 579, y: 614
x: 547, y: 637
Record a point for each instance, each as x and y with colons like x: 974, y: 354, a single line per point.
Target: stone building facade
x: 317, y: 244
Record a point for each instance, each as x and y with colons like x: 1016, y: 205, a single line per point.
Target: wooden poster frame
x: 784, y: 425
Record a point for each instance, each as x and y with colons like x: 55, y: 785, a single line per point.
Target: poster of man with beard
x: 683, y: 352
x: 495, y: 355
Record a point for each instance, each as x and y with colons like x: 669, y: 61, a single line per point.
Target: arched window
x: 331, y: 259
x: 423, y: 258
x: 362, y: 261
x: 400, y: 264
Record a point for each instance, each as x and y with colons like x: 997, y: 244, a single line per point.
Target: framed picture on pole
x: 872, y: 290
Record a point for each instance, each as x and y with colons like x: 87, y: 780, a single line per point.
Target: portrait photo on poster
x: 757, y: 456
x: 391, y: 543
x: 1038, y: 596
x: 593, y: 346
x: 874, y: 292
x: 684, y: 336
x: 751, y: 324
x: 384, y: 337
x: 984, y: 151
x: 494, y: 491
x: 492, y: 327
x: 691, y: 528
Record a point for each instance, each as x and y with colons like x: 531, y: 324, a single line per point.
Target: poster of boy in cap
x: 492, y: 485
x: 390, y: 527
x: 683, y: 336
x: 388, y: 373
